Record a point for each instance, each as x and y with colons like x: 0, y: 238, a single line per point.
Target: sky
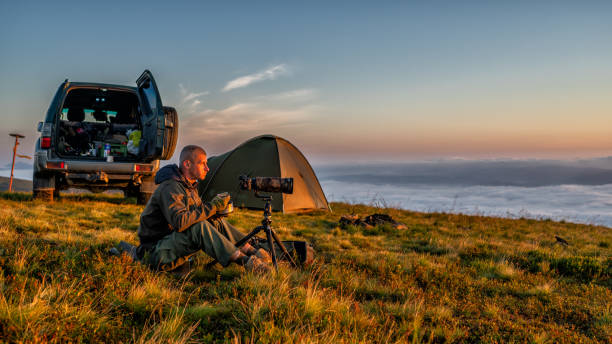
x: 343, y: 81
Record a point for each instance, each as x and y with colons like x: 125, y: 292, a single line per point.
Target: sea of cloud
x: 574, y: 203
x: 577, y: 191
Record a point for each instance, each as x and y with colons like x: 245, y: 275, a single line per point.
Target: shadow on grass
x: 425, y: 246
x: 16, y: 196
x: 379, y: 293
x: 114, y: 199
x: 212, y: 275
x: 215, y: 318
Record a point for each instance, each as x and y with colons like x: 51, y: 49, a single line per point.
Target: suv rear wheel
x: 143, y: 197
x: 43, y: 187
x: 142, y: 192
x: 43, y: 195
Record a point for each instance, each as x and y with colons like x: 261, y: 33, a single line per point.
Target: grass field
x: 447, y: 278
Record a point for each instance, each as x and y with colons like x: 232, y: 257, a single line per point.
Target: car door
x: 153, y: 119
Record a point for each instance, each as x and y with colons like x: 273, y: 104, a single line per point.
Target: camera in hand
x: 266, y: 184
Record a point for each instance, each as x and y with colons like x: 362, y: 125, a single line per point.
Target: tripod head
x: 264, y: 197
x: 268, y: 207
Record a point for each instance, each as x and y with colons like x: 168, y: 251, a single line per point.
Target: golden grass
x: 446, y: 278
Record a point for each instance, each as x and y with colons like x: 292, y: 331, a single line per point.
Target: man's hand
x: 220, y: 201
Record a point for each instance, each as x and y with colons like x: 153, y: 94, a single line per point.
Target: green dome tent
x: 265, y: 156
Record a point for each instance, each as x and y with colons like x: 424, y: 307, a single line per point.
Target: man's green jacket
x: 174, y: 206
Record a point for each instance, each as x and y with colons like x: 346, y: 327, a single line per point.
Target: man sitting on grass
x: 176, y: 224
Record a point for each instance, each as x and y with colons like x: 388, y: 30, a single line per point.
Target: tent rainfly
x: 265, y: 156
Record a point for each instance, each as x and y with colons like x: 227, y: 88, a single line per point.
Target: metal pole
x: 13, y: 165
x: 17, y: 136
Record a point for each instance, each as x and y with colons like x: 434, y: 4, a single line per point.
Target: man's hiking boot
x: 124, y: 248
x: 264, y: 256
x: 256, y: 265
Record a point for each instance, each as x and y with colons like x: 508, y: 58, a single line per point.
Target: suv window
x: 89, y: 115
x: 151, y: 96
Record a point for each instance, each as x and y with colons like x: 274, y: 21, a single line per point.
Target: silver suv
x: 100, y: 136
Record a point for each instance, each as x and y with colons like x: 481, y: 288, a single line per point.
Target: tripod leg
x: 280, y: 243
x: 271, y: 243
x: 240, y: 243
x: 249, y: 236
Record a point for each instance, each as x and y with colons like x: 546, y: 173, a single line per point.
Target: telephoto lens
x: 267, y: 184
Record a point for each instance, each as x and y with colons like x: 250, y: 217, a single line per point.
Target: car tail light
x: 55, y: 164
x: 45, y: 142
x: 143, y: 168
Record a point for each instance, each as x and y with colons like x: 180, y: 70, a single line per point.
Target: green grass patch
x: 445, y: 278
x: 582, y: 268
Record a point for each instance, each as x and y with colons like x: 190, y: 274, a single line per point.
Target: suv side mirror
x: 40, y: 126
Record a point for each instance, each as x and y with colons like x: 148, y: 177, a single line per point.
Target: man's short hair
x: 189, y: 152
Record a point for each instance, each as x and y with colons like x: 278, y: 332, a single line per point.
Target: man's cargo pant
x: 215, y: 237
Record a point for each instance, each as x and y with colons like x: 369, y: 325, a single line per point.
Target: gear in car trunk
x: 95, y: 123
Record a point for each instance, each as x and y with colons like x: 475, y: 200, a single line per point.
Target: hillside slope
x: 20, y: 185
x: 446, y: 278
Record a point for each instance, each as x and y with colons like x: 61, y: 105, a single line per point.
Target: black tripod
x: 271, y: 236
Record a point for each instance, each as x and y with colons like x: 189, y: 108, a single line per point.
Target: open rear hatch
x: 95, y: 123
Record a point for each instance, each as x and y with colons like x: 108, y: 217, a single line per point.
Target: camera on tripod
x: 266, y: 184
x: 269, y: 185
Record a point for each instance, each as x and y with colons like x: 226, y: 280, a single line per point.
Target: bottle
x: 106, y: 150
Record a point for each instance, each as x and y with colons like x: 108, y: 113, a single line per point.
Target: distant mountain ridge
x: 18, y: 166
x: 20, y: 185
x: 467, y: 173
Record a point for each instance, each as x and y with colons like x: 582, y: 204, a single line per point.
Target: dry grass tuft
x: 446, y: 278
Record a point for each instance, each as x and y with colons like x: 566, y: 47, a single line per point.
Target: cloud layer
x: 220, y: 130
x: 190, y: 98
x: 268, y: 74
x: 575, y: 203
x: 578, y: 191
x: 236, y: 118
